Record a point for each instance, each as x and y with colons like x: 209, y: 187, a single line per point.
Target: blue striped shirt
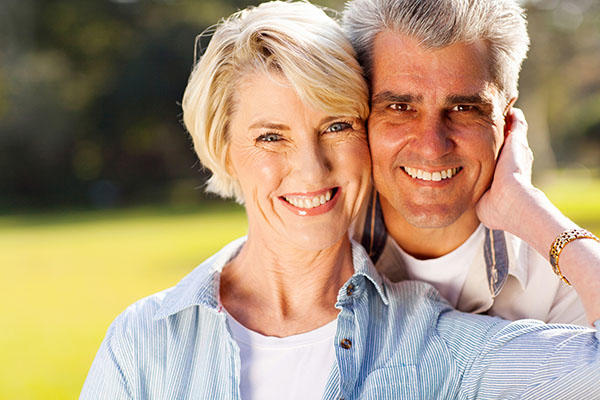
x: 393, y: 341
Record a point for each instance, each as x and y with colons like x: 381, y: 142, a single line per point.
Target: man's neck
x: 427, y: 243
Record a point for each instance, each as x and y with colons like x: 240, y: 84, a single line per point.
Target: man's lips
x: 435, y: 176
x: 312, y: 203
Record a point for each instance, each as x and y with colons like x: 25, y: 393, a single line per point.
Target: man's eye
x: 400, y: 107
x: 464, y: 108
x: 338, y: 127
x: 269, y: 137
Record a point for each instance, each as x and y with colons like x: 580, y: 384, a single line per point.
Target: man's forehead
x: 480, y: 97
x: 403, y: 67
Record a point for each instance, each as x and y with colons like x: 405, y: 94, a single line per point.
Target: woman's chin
x: 320, y: 239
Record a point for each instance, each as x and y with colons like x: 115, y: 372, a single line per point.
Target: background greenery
x: 89, y: 94
x: 100, y: 192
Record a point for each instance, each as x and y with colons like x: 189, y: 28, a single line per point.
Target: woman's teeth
x: 309, y: 202
x: 431, y: 176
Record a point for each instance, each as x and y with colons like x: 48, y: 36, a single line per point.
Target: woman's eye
x: 339, y: 126
x: 268, y: 137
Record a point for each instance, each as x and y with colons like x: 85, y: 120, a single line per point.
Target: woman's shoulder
x: 198, y: 288
x: 138, y: 318
x: 196, y: 293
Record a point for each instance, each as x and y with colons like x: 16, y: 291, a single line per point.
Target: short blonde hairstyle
x: 295, y: 39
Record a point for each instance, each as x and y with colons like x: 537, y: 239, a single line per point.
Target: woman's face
x: 303, y: 172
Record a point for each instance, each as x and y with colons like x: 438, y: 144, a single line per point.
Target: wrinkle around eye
x: 269, y: 138
x: 343, y: 126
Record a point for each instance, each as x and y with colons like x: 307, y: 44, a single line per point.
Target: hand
x: 499, y: 206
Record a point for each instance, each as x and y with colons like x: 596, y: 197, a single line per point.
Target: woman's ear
x: 229, y: 165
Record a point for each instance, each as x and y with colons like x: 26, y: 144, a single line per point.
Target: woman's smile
x: 313, y: 203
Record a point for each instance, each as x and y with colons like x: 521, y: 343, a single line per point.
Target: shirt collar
x: 363, y: 266
x: 504, y: 255
x: 201, y: 286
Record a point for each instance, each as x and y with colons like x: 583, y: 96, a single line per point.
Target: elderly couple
x: 277, y: 108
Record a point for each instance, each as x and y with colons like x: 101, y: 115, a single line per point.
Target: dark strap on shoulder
x: 496, y: 260
x: 374, y: 233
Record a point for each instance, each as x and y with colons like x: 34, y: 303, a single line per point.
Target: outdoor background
x: 101, y: 198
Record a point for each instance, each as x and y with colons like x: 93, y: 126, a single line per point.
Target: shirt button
x: 346, y: 343
x: 350, y: 289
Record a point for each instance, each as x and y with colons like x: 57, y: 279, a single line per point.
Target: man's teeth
x: 309, y: 202
x: 431, y: 176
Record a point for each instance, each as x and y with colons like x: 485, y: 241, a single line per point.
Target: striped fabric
x: 393, y: 341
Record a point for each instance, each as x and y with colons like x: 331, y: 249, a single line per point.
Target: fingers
x: 518, y: 126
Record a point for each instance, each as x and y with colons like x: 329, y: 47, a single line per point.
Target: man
x: 443, y: 76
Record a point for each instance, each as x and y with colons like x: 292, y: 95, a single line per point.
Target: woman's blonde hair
x: 295, y: 39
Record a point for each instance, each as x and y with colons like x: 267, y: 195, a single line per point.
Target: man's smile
x: 435, y: 176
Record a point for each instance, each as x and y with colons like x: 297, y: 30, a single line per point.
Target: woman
x: 276, y: 109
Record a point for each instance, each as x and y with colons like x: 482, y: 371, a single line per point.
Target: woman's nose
x: 313, y: 162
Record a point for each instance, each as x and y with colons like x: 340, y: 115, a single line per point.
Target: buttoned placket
x: 345, y: 346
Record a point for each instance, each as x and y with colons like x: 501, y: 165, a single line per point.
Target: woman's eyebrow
x: 269, y: 125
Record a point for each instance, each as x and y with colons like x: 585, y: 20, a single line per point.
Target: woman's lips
x: 313, y: 203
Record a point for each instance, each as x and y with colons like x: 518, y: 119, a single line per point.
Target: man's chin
x: 433, y: 219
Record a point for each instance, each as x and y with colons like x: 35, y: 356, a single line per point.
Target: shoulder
x: 415, y: 303
x: 136, y: 326
x: 182, y: 305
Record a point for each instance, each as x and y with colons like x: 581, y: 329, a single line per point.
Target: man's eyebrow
x: 469, y: 99
x: 390, y: 97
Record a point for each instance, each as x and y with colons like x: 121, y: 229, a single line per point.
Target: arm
x: 514, y: 205
x: 524, y: 359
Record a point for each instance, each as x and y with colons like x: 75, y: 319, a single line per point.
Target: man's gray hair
x: 440, y: 23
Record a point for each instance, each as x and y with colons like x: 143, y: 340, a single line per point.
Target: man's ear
x: 508, y: 120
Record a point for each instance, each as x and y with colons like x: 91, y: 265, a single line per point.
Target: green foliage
x: 89, y: 98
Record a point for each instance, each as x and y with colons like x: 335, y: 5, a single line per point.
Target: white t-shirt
x: 448, y: 272
x: 293, y: 367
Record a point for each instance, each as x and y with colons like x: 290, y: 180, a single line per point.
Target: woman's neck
x: 279, y: 290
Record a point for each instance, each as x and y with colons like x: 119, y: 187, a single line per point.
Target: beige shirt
x: 505, y: 278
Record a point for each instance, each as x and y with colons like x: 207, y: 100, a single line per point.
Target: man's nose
x: 433, y: 138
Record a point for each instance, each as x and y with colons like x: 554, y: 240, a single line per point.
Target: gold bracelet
x: 561, y: 241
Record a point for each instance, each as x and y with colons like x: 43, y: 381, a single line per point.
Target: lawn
x: 65, y: 276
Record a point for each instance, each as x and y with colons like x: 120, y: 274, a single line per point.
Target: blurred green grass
x: 65, y: 276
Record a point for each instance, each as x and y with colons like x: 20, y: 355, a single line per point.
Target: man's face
x: 435, y: 129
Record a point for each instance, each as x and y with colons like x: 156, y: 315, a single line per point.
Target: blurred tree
x: 89, y: 95
x: 560, y: 83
